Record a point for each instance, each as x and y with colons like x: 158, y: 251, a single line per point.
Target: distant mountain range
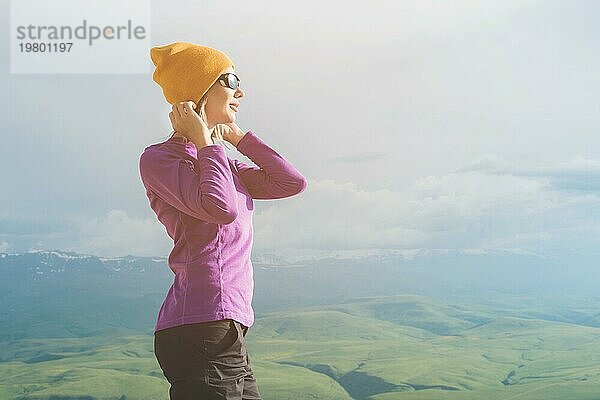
x: 65, y: 294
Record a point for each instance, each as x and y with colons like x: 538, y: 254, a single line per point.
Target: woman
x: 205, y: 201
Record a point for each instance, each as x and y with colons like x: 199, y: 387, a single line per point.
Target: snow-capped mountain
x: 61, y: 293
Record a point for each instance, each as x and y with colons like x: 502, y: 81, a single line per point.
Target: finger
x: 187, y: 107
x: 177, y: 110
x: 183, y: 109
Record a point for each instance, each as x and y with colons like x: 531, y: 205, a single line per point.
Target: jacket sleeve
x: 208, y: 194
x: 274, y: 178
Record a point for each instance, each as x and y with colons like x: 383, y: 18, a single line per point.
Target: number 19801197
x: 35, y: 47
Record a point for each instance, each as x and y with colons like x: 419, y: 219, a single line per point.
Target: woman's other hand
x: 229, y: 132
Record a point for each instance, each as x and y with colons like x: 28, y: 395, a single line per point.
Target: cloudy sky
x: 418, y: 124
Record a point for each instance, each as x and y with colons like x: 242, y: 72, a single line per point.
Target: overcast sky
x: 418, y: 124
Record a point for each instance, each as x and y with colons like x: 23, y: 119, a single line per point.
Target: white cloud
x: 468, y: 208
x: 117, y: 234
x: 484, y: 205
x: 4, y: 246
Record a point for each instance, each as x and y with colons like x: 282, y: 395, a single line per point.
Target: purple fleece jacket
x: 204, y: 200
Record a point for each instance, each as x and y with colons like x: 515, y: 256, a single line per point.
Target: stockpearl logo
x: 74, y: 36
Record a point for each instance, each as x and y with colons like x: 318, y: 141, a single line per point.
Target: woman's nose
x: 239, y: 93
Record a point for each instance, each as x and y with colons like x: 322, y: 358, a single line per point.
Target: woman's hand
x: 229, y: 132
x: 190, y: 124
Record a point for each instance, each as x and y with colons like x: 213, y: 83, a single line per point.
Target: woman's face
x: 219, y: 102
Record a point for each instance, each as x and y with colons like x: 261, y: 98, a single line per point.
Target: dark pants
x: 206, y: 360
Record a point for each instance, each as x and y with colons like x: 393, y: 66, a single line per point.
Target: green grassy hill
x: 396, y: 347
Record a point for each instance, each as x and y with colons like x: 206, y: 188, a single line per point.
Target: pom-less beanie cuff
x: 185, y: 71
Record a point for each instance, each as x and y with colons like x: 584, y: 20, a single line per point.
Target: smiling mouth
x: 234, y: 108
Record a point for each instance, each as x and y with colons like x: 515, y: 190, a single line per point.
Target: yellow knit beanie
x: 186, y: 71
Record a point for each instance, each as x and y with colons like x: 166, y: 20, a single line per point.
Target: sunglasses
x: 230, y: 80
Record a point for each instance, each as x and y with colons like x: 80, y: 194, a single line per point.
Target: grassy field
x: 397, y: 347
